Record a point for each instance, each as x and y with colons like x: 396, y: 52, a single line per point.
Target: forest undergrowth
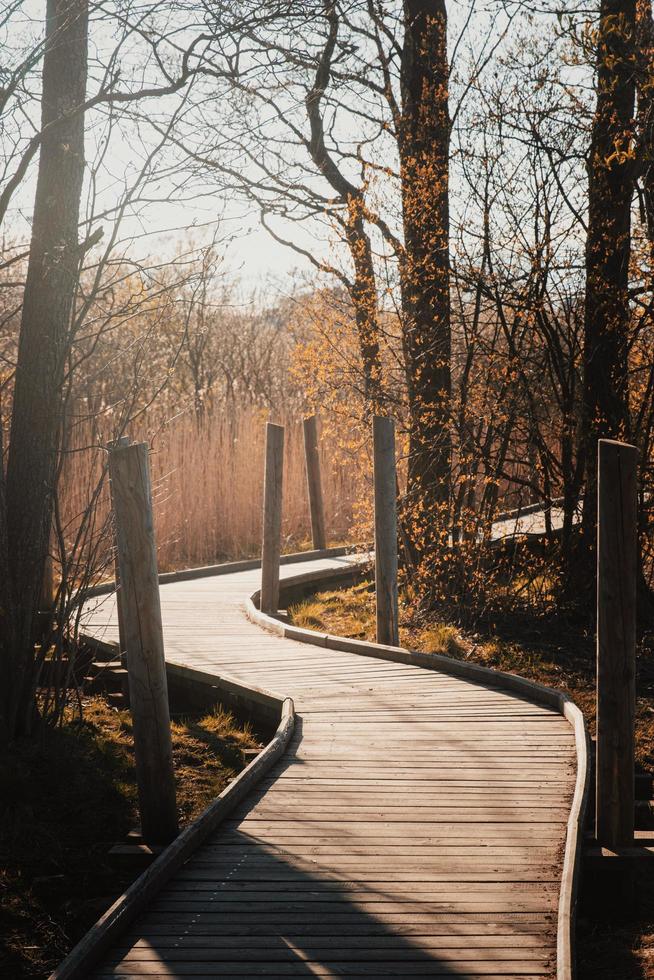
x: 56, y: 875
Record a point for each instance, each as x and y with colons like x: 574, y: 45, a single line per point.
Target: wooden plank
x: 281, y: 954
x: 304, y: 883
x: 451, y: 873
x: 317, y: 916
x: 303, y: 968
x: 537, y: 959
x: 289, y: 909
x: 376, y: 856
x: 390, y: 794
x: 359, y: 927
x: 388, y: 841
x: 495, y: 937
x: 441, y: 853
x: 270, y: 810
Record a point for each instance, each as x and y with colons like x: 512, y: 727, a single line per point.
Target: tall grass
x: 208, y: 484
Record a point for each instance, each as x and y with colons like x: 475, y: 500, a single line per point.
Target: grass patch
x: 66, y: 797
x: 351, y: 612
x: 347, y: 612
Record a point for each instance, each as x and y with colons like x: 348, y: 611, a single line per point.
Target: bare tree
x: 44, y: 336
x: 53, y: 309
x: 608, y: 246
x: 424, y: 148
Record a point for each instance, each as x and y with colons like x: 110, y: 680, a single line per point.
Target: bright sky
x: 173, y: 212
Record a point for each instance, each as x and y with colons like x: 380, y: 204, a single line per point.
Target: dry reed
x: 207, y: 489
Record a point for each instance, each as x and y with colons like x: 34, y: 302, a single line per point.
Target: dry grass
x: 65, y: 800
x: 351, y: 612
x: 347, y: 612
x: 209, y: 491
x: 207, y: 488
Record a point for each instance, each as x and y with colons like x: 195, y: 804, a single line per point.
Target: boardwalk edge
x: 207, y: 571
x: 531, y: 690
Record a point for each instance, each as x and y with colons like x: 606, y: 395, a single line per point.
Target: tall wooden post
x: 48, y: 590
x: 272, y: 517
x: 383, y: 437
x: 148, y: 690
x: 47, y: 604
x: 121, y: 441
x: 617, y: 562
x: 314, y: 482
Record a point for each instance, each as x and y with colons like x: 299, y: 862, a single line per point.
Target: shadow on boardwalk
x: 343, y: 871
x: 242, y: 908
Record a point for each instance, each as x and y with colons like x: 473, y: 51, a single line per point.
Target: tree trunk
x: 608, y: 246
x: 423, y: 140
x: 645, y: 169
x: 363, y: 293
x: 645, y: 119
x: 44, y: 343
x: 363, y: 289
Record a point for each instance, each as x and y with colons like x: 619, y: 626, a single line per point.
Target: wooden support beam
x: 48, y: 590
x: 272, y: 517
x: 385, y: 478
x: 314, y: 483
x: 47, y: 603
x: 148, y: 690
x: 617, y: 562
x: 121, y: 441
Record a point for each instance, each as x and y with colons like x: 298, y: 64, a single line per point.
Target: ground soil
x: 557, y: 654
x: 65, y: 798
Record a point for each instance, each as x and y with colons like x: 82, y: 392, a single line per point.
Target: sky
x: 251, y: 254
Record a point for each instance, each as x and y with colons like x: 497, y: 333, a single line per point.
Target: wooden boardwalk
x: 415, y: 827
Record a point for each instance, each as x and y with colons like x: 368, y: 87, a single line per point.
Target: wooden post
x: 617, y: 556
x: 47, y: 604
x: 122, y: 647
x: 383, y: 437
x: 272, y: 517
x: 148, y: 690
x: 314, y: 483
x: 48, y: 590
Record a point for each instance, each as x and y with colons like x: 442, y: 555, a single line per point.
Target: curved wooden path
x: 416, y: 825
